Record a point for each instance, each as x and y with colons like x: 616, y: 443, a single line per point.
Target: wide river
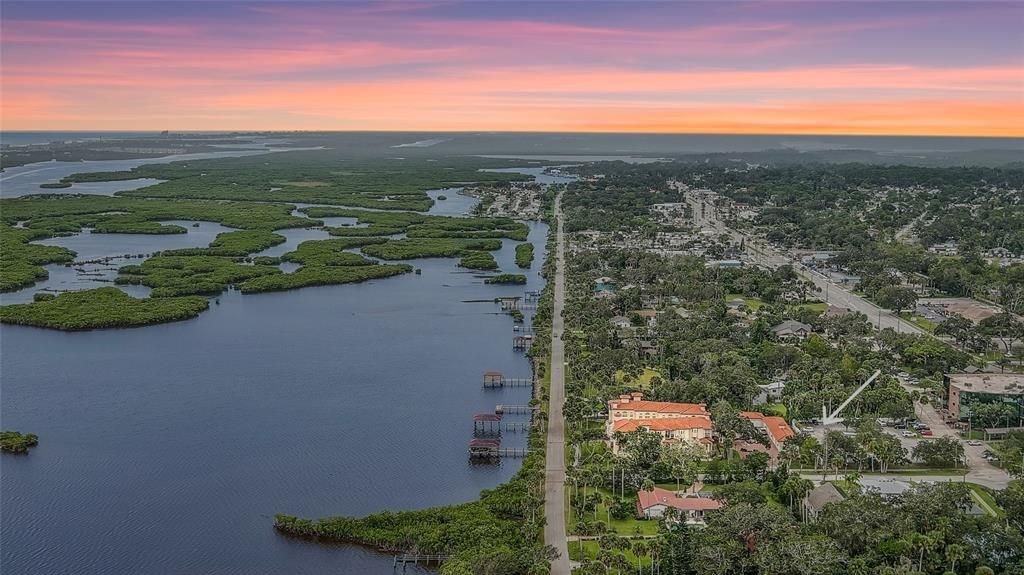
x: 167, y: 449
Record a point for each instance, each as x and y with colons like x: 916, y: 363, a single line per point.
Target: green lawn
x: 643, y: 382
x: 628, y: 526
x: 985, y: 495
x: 752, y: 302
x: 777, y: 409
x: 817, y: 307
x: 925, y: 324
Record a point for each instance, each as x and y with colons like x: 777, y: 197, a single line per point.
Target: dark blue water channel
x: 167, y: 449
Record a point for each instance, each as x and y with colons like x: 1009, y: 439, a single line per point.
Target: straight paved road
x: 768, y: 256
x: 554, y: 477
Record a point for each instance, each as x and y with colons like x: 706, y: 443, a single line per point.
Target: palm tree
x: 608, y: 501
x: 954, y: 553
x: 640, y: 549
x: 921, y: 542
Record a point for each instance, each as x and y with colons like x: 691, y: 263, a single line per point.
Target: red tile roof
x: 659, y: 496
x: 658, y: 406
x: 665, y: 424
x: 777, y: 426
x: 779, y: 429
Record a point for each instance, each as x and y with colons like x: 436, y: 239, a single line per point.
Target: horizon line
x: 581, y: 132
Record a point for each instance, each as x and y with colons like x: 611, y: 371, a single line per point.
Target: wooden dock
x: 502, y: 409
x: 522, y: 342
x: 490, y: 450
x: 494, y: 380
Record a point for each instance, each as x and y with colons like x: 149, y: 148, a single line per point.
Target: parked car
x: 927, y: 433
x: 908, y: 434
x: 974, y: 443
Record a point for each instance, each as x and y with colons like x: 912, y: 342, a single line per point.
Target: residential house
x: 770, y: 392
x: 691, y: 506
x: 816, y: 500
x: 792, y: 330
x: 887, y: 488
x: 620, y: 322
x: 836, y: 311
x: 777, y: 430
x: 649, y: 315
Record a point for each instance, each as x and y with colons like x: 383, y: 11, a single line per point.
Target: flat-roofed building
x: 964, y: 390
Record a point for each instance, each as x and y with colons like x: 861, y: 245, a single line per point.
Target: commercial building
x: 964, y: 390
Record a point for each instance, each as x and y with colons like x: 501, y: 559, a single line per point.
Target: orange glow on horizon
x: 393, y: 67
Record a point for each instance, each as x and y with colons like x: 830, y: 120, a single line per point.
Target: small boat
x: 418, y: 271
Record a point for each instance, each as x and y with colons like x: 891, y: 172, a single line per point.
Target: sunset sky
x: 828, y: 67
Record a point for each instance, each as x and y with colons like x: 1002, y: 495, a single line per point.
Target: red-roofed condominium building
x: 776, y: 428
x: 675, y: 422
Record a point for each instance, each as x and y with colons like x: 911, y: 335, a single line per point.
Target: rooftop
x: 660, y: 496
x: 776, y: 426
x: 791, y: 325
x: 1000, y: 383
x: 636, y: 402
x: 662, y: 424
x: 822, y: 495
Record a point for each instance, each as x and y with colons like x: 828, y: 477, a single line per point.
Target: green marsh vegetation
x: 323, y: 275
x: 506, y: 279
x: 330, y: 252
x: 408, y: 249
x: 233, y: 244
x: 21, y: 263
x: 248, y: 193
x: 524, y: 255
x: 46, y: 216
x: 315, y: 177
x: 106, y: 307
x: 16, y: 442
x: 478, y: 261
x: 170, y: 275
x: 416, y: 225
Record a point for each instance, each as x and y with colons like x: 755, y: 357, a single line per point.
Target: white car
x: 974, y: 443
x: 908, y: 434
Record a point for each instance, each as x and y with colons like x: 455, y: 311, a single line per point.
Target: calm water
x: 167, y: 449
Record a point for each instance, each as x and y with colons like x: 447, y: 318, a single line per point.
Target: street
x: 768, y: 256
x: 554, y: 465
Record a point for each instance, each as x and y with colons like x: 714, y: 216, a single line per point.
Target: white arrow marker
x: 834, y: 417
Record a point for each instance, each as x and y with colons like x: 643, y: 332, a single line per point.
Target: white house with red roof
x: 691, y: 506
x: 675, y: 422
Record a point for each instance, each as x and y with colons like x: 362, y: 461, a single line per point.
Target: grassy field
x: 985, y: 499
x: 923, y: 323
x: 628, y: 526
x: 752, y: 302
x: 644, y: 381
x: 817, y: 306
